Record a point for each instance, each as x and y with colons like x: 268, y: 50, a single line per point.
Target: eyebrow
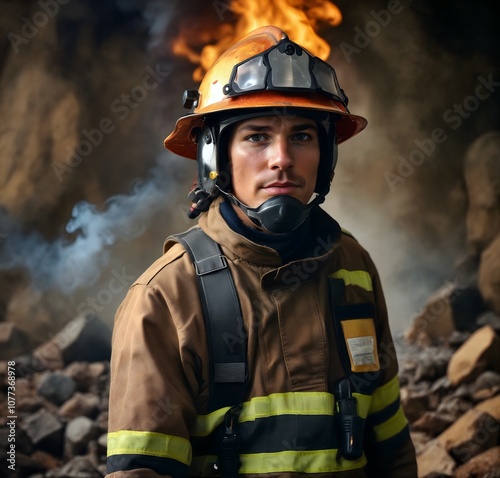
x: 259, y: 128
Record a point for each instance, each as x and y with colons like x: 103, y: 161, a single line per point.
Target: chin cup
x: 278, y: 215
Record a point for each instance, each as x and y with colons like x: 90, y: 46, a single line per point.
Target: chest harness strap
x: 226, y: 339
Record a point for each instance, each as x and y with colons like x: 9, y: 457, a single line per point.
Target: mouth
x: 281, y: 187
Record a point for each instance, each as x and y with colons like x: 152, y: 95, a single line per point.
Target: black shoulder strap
x: 223, y: 320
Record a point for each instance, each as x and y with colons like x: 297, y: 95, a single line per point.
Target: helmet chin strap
x: 278, y: 214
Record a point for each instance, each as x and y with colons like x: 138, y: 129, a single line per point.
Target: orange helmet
x: 245, y: 77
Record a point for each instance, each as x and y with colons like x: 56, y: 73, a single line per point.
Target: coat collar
x: 324, y: 236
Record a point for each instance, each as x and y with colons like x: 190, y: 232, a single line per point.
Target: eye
x: 255, y: 138
x: 301, y: 136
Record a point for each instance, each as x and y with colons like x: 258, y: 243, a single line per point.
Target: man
x: 300, y: 377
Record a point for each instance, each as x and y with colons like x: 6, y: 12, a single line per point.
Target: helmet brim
x: 182, y: 141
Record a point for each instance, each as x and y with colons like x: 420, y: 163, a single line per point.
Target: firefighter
x: 258, y: 343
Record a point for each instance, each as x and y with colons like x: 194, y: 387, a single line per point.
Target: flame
x: 300, y: 19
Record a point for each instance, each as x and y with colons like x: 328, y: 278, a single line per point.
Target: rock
x: 80, y: 404
x: 415, y: 402
x: 456, y: 339
x: 85, y: 338
x: 471, y: 434
x: 489, y: 275
x: 474, y: 356
x: 56, y: 387
x: 13, y: 341
x: 28, y: 401
x: 433, y: 423
x: 441, y: 387
x: 27, y: 465
x: 29, y: 364
x: 81, y: 373
x: 482, y: 179
x: 491, y: 407
x: 420, y: 440
x: 482, y: 465
x: 102, y: 420
x: 46, y: 431
x: 79, y: 432
x: 435, y: 321
x: 46, y: 460
x: 23, y: 441
x: 454, y: 406
x: 77, y: 467
x: 50, y: 355
x: 435, y: 459
x: 433, y: 364
x: 467, y: 305
x: 451, y: 308
x: 491, y: 319
x: 486, y: 386
x: 102, y: 443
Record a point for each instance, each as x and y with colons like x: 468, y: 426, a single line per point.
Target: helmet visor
x: 285, y: 67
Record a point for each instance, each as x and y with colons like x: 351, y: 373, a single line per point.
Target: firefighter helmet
x: 264, y: 73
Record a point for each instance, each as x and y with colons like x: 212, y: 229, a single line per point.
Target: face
x: 274, y: 155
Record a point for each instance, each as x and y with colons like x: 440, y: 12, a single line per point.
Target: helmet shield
x: 285, y: 67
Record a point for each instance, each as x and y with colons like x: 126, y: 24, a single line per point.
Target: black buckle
x: 229, y: 456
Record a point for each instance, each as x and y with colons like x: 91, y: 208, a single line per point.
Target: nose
x: 280, y: 157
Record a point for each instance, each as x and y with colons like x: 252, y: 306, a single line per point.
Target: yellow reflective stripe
x: 363, y: 404
x: 206, y: 424
x: 360, y: 278
x: 288, y: 403
x: 301, y: 461
x: 385, y: 395
x: 130, y: 442
x: 391, y: 427
x: 305, y: 461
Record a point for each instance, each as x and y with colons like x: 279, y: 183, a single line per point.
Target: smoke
x: 78, y: 258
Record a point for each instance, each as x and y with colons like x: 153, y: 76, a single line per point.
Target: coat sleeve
x: 389, y: 450
x: 152, y: 390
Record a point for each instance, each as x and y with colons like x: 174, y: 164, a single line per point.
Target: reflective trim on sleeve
x: 359, y: 278
x: 391, y: 427
x: 289, y: 403
x: 130, y: 442
x: 384, y: 395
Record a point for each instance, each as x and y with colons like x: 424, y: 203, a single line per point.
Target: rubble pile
x: 451, y: 380
x: 60, y: 404
x: 451, y: 396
